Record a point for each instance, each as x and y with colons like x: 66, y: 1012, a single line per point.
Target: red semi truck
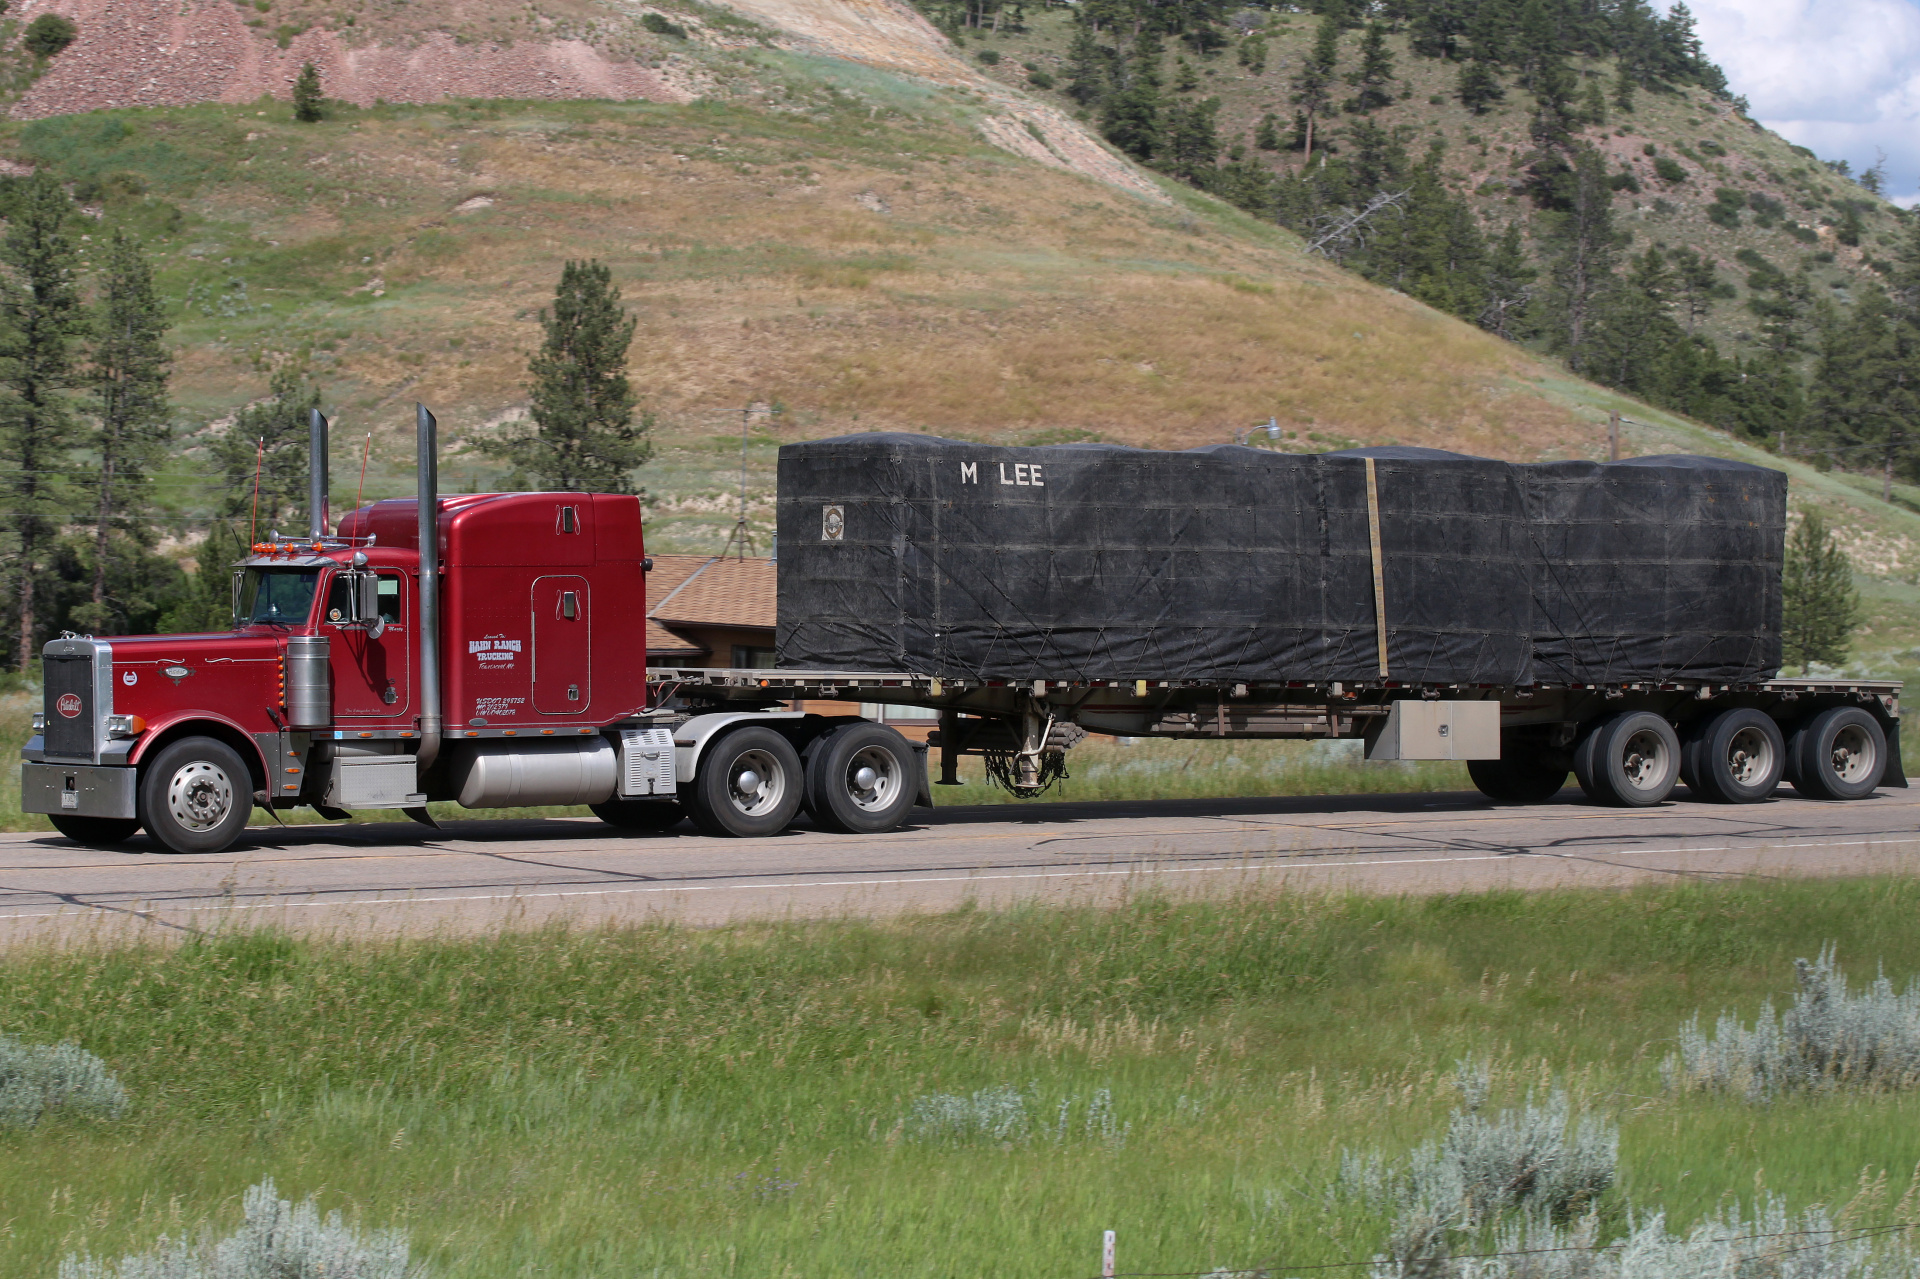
x: 488, y: 649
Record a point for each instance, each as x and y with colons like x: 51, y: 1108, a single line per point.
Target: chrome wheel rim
x: 1645, y: 760
x: 873, y: 779
x: 199, y: 795
x: 1852, y: 758
x: 1750, y: 757
x: 756, y: 782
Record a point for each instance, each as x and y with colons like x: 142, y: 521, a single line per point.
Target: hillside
x: 841, y: 245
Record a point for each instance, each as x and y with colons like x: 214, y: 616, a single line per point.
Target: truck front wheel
x: 860, y: 779
x: 195, y: 796
x: 96, y: 832
x: 748, y: 784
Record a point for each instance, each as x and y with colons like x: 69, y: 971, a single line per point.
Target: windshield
x: 283, y: 596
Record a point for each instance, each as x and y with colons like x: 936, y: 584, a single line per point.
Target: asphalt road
x: 398, y: 877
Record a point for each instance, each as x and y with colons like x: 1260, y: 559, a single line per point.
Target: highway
x: 386, y: 878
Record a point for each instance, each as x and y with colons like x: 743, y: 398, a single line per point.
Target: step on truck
x: 488, y: 650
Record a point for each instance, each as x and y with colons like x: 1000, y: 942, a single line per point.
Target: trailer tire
x: 1516, y: 781
x: 640, y: 814
x: 96, y: 832
x: 1842, y: 753
x: 748, y: 784
x: 1629, y: 761
x: 860, y: 779
x: 195, y: 796
x: 1735, y: 758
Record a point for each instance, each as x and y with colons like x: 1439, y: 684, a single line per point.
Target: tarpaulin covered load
x: 1232, y: 565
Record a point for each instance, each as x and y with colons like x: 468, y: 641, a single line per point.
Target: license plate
x: 69, y: 799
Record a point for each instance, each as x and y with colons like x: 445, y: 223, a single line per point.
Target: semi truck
x: 487, y: 650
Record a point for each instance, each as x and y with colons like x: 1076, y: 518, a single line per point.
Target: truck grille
x: 70, y: 686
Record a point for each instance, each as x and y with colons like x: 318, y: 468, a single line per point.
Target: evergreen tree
x: 584, y: 437
x: 1313, y: 86
x: 1374, y: 76
x: 128, y: 378
x: 1582, y: 248
x: 1819, y: 605
x: 309, y: 103
x: 267, y: 445
x: 40, y: 318
x: 1479, y: 87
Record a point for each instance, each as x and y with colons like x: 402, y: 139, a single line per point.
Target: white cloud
x: 1839, y: 76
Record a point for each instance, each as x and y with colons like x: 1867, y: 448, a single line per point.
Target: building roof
x: 705, y: 590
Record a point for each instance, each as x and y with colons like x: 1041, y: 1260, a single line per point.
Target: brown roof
x: 704, y: 590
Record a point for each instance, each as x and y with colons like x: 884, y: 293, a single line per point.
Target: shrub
x: 1668, y: 169
x: 661, y: 26
x: 1828, y: 1038
x: 48, y: 34
x: 35, y: 1079
x: 276, y: 1240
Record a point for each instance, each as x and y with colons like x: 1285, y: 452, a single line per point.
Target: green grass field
x: 657, y: 1101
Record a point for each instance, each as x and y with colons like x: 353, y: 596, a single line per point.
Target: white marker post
x: 1106, y: 1257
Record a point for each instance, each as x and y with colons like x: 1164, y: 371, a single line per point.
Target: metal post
x: 1613, y: 436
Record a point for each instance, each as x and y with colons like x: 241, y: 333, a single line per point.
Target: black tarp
x: 1232, y: 564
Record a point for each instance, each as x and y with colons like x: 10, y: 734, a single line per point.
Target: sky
x: 1841, y: 77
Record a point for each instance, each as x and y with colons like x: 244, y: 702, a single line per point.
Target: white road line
x: 907, y: 878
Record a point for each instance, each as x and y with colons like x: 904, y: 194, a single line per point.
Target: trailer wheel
x: 748, y: 784
x: 1735, y: 758
x: 1630, y: 761
x: 1841, y: 754
x: 860, y: 779
x: 640, y: 814
x: 96, y: 832
x: 195, y: 796
x: 1516, y: 781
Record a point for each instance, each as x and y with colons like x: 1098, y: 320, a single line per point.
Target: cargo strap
x: 1379, y: 578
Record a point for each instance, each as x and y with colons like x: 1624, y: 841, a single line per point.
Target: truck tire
x: 96, y: 832
x: 1735, y: 758
x: 195, y: 796
x: 640, y: 814
x: 860, y: 779
x: 1629, y: 761
x: 749, y: 784
x: 1516, y: 781
x: 1842, y: 753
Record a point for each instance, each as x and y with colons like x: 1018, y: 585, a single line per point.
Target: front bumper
x: 77, y: 790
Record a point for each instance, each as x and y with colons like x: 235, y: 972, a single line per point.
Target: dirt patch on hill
x: 135, y: 53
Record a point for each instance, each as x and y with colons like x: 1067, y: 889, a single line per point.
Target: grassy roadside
x: 737, y: 1101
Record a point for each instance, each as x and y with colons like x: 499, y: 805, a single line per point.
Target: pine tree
x: 40, y: 318
x: 309, y: 103
x: 128, y: 377
x: 584, y: 436
x: 268, y: 443
x: 1375, y: 72
x: 1267, y: 136
x: 1479, y: 88
x: 1582, y: 248
x: 1819, y: 605
x: 1313, y: 86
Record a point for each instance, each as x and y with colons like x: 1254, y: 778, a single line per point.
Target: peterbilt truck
x: 488, y: 649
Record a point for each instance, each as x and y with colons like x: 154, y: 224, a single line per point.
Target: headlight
x: 39, y: 721
x: 125, y: 726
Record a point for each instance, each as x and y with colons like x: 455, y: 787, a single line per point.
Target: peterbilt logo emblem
x: 68, y: 705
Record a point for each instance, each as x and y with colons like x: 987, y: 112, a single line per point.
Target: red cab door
x: 562, y: 650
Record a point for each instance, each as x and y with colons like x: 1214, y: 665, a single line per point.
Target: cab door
x: 562, y: 648
x: 372, y: 675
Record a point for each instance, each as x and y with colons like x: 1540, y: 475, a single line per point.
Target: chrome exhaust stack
x: 426, y: 433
